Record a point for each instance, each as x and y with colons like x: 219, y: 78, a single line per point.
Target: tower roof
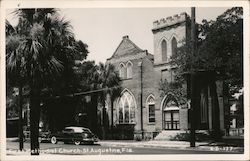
x: 126, y: 47
x: 170, y: 21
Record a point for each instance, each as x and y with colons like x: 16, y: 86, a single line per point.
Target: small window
x: 151, y: 117
x: 122, y: 71
x: 164, y: 50
x: 174, y: 46
x: 168, y: 75
x: 129, y: 70
x: 151, y: 109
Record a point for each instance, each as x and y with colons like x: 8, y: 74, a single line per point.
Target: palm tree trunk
x: 93, y: 113
x: 20, y: 117
x: 112, y: 116
x: 34, y: 121
x: 103, y: 120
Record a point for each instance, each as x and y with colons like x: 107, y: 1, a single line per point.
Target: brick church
x: 141, y: 105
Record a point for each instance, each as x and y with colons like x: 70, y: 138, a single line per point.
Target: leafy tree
x: 98, y: 81
x: 219, y: 49
x: 39, y: 51
x: 110, y: 82
x: 89, y: 83
x: 222, y: 47
x: 219, y: 55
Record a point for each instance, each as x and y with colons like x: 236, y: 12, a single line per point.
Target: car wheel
x: 77, y: 142
x: 53, y: 140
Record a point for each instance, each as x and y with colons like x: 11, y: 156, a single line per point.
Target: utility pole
x: 193, y: 44
x: 141, y: 95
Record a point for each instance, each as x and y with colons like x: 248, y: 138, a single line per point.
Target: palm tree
x: 110, y: 82
x: 36, y: 52
x: 89, y: 78
x: 13, y: 41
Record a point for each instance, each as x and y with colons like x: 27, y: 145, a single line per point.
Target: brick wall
x: 151, y: 75
x: 179, y: 32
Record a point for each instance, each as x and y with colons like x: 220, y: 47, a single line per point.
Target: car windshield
x: 68, y: 130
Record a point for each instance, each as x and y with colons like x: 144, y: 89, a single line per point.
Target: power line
x: 81, y: 93
x: 92, y: 91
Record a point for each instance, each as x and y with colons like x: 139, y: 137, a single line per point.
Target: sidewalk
x: 204, y: 146
x: 182, y: 145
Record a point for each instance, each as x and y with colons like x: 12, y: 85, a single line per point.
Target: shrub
x: 199, y: 136
x: 181, y: 137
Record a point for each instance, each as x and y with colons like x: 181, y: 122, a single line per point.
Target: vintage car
x: 76, y: 135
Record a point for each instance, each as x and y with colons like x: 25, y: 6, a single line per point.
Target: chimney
x: 125, y: 37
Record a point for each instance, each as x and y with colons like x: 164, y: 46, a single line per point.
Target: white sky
x: 102, y: 28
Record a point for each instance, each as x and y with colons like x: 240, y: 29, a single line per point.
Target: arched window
x: 203, y: 106
x: 174, y: 46
x: 129, y: 69
x: 164, y: 50
x: 171, y: 113
x: 126, y: 109
x: 122, y: 71
x: 151, y: 109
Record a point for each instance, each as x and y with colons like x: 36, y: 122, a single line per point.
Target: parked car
x: 77, y: 135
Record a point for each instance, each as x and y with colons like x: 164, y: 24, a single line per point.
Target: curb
x: 15, y: 139
x: 183, y: 146
x: 202, y: 148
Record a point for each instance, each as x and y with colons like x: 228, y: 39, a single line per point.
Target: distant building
x: 141, y: 106
x: 236, y: 116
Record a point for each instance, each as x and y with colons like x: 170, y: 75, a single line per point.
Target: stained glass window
x: 126, y: 108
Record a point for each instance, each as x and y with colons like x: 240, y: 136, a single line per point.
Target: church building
x: 141, y: 105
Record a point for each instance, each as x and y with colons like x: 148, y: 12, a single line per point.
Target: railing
x: 172, y: 125
x: 236, y: 132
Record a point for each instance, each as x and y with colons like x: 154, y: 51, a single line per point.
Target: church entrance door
x: 171, y: 120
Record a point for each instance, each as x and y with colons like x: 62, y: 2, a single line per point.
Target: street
x: 98, y: 149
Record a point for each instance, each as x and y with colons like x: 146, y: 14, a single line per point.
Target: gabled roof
x: 126, y: 47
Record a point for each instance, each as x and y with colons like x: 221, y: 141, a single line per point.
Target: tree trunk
x: 103, y: 120
x: 93, y: 113
x: 20, y: 117
x: 112, y: 116
x: 34, y: 121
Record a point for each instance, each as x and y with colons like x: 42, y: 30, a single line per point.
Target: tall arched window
x: 164, y: 50
x: 174, y: 46
x: 151, y: 109
x: 122, y: 71
x: 129, y: 69
x: 203, y: 106
x: 126, y: 109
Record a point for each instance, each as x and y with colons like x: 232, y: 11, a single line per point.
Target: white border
x: 123, y: 4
